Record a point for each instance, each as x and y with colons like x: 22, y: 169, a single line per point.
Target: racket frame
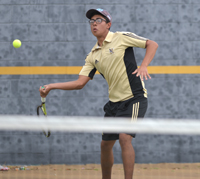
x: 43, y: 108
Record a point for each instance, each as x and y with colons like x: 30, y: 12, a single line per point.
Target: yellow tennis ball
x: 17, y: 43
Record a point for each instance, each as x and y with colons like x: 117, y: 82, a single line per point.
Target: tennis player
x: 113, y: 57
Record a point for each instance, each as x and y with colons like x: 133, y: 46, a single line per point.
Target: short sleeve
x: 88, y: 69
x: 130, y: 39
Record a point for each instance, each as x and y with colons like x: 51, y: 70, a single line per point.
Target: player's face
x: 99, y: 27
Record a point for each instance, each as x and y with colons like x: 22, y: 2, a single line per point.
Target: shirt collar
x: 107, y: 39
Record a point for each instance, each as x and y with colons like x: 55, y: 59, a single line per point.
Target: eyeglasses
x: 98, y: 21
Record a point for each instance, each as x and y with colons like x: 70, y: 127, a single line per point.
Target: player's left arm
x: 151, y: 48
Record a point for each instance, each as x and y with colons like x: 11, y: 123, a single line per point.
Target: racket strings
x: 41, y: 110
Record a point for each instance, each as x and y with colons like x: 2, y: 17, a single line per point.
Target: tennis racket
x: 41, y: 111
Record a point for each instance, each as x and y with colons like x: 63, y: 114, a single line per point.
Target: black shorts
x: 133, y: 108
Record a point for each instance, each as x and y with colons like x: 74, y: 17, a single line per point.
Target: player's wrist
x: 144, y: 65
x: 50, y: 87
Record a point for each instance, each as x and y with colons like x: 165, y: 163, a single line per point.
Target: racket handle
x: 43, y: 100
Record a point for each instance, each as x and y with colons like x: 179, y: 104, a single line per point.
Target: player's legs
x: 107, y: 158
x: 133, y: 108
x: 128, y: 154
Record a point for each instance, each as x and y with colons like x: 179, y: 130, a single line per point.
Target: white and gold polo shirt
x: 115, y: 61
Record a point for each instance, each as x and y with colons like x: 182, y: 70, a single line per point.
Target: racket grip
x: 43, y: 100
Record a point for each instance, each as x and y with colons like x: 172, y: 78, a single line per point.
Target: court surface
x: 141, y: 171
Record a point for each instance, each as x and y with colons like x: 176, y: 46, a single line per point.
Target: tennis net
x: 164, y: 148
x: 100, y: 124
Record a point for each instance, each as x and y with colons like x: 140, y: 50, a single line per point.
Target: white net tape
x: 100, y: 124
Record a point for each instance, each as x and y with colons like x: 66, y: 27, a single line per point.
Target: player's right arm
x: 71, y: 85
x: 86, y: 74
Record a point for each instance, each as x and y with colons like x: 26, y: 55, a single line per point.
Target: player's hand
x: 142, y: 72
x: 44, y: 91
